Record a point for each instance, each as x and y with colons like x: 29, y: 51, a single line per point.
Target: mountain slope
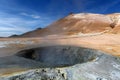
x: 79, y: 23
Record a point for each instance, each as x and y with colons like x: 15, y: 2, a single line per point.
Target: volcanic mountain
x: 81, y: 46
x: 83, y: 23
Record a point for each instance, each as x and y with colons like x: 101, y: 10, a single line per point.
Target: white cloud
x: 17, y: 21
x: 31, y: 15
x: 24, y: 14
x: 35, y: 16
x: 11, y: 24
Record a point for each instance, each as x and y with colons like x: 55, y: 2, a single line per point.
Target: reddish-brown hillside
x: 79, y: 23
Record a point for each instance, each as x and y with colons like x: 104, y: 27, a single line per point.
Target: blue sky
x: 19, y: 16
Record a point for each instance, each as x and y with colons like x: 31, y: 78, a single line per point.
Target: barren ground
x: 109, y: 43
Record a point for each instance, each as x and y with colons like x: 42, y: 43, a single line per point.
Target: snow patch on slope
x: 92, y: 17
x: 78, y: 16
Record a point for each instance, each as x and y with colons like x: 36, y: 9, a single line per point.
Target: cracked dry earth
x: 61, y: 58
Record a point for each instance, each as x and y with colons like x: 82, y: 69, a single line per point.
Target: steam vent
x: 82, y: 46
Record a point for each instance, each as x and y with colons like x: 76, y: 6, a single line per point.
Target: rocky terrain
x: 81, y: 46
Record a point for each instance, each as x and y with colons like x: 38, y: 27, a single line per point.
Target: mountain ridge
x: 79, y: 23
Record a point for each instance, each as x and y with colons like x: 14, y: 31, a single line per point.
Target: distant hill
x: 14, y: 35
